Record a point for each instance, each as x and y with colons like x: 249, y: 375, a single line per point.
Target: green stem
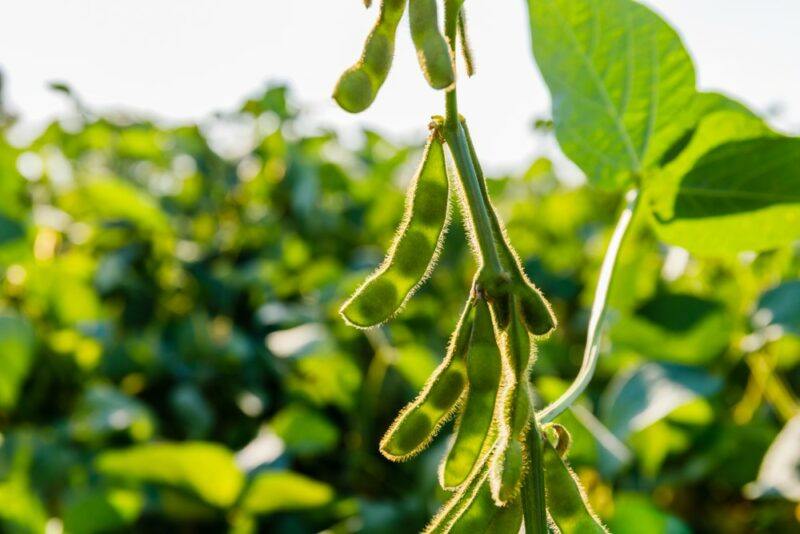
x: 534, y: 506
x: 459, y: 148
x: 598, y: 313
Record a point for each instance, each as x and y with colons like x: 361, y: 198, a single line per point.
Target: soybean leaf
x: 204, y: 469
x: 743, y: 195
x: 16, y: 357
x: 635, y: 400
x: 304, y: 431
x: 635, y: 513
x: 676, y: 328
x: 97, y: 511
x: 278, y: 491
x: 622, y: 84
x: 21, y: 510
x: 780, y: 306
x: 720, y: 122
x: 780, y: 470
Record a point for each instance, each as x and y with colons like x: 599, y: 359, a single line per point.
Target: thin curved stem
x: 597, y: 316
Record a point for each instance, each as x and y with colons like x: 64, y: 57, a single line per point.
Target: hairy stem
x: 459, y: 148
x: 598, y: 313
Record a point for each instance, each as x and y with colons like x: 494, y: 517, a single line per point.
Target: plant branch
x: 598, y: 313
x: 459, y: 148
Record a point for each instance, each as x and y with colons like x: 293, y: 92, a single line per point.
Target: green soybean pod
x: 567, y: 504
x: 433, y: 51
x: 415, y: 247
x: 483, y: 516
x: 537, y: 314
x: 510, y: 459
x: 417, y: 424
x: 474, y: 431
x: 358, y: 86
x: 458, y: 504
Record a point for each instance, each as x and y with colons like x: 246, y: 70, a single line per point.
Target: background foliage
x: 171, y: 353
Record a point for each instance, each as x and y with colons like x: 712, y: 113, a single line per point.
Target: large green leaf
x: 278, y: 491
x: 203, y: 469
x: 622, y: 84
x: 742, y: 195
x: 718, y: 124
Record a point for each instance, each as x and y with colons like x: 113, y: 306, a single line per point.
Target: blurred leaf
x: 96, y: 511
x: 676, y: 328
x: 304, y: 431
x: 280, y: 491
x: 176, y: 465
x: 326, y: 378
x: 780, y: 306
x: 780, y: 471
x: 415, y: 364
x: 16, y: 357
x: 634, y: 514
x: 648, y: 393
x: 621, y: 84
x: 104, y: 411
x: 21, y: 511
x: 111, y: 199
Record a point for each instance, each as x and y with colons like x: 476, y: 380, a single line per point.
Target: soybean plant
x: 502, y: 466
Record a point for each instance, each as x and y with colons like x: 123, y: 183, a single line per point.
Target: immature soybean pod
x: 567, y: 505
x: 458, y: 504
x: 415, y: 248
x: 418, y: 423
x: 510, y: 459
x: 432, y: 49
x: 474, y: 432
x: 358, y: 85
x: 483, y: 516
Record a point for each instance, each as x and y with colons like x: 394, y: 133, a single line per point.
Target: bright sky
x: 184, y: 59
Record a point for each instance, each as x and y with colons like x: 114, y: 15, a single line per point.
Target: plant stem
x: 597, y: 316
x: 534, y: 506
x: 457, y: 142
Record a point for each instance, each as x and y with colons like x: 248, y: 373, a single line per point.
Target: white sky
x: 184, y: 59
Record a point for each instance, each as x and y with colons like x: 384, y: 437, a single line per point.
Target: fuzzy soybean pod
x: 459, y: 502
x: 537, y: 314
x: 415, y: 248
x: 472, y: 511
x: 358, y: 85
x: 432, y: 49
x: 510, y: 459
x: 483, y: 516
x: 474, y: 431
x: 417, y: 424
x: 567, y: 504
